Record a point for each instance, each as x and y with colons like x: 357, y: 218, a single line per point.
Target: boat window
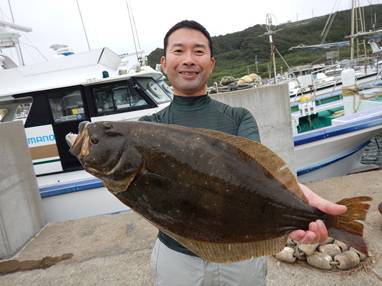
x: 15, y: 108
x: 116, y: 98
x: 22, y: 111
x: 67, y: 107
x: 3, y: 112
x: 104, y: 101
x: 153, y: 89
x: 125, y: 97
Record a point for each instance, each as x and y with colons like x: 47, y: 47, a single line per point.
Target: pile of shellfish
x: 329, y: 255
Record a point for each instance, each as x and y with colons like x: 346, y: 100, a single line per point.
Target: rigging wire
x: 135, y: 28
x: 20, y: 53
x: 329, y: 22
x: 132, y: 29
x: 34, y: 47
x: 83, y: 25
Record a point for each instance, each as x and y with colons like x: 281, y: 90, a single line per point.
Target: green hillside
x: 236, y: 52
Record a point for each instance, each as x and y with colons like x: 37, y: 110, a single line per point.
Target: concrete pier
x: 115, y: 249
x: 21, y: 215
x: 276, y: 132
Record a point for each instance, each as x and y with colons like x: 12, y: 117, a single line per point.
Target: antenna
x: 83, y: 25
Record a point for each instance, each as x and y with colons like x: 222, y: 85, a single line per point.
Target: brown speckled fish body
x: 211, y: 191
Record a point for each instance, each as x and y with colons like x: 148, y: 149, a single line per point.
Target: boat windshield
x: 67, y: 107
x: 156, y: 92
x: 15, y: 108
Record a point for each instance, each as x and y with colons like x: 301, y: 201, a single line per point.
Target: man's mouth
x: 189, y: 74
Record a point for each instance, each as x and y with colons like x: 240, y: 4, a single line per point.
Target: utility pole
x: 257, y: 65
x: 270, y: 33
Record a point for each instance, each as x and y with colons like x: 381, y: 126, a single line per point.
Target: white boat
x: 65, y: 91
x: 335, y: 150
x: 315, y: 80
x: 335, y: 147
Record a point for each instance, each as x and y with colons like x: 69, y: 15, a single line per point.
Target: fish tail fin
x: 347, y: 227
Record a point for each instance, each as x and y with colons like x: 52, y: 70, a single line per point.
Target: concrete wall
x: 21, y: 215
x: 271, y: 108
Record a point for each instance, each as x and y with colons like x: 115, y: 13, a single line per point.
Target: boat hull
x: 332, y: 157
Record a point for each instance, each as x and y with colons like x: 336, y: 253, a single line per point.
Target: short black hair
x: 189, y: 24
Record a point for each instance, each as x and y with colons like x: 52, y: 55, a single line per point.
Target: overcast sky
x: 107, y: 22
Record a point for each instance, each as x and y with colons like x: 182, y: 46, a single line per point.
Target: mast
x: 352, y: 31
x: 18, y: 48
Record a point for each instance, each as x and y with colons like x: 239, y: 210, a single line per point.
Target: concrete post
x: 21, y: 214
x: 270, y: 106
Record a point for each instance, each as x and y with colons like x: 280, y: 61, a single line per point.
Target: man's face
x: 188, y: 62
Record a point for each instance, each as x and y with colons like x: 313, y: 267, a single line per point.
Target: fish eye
x: 107, y: 125
x: 94, y: 139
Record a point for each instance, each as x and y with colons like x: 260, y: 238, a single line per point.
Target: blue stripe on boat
x: 330, y: 161
x: 332, y: 131
x: 78, y: 186
x: 299, y: 139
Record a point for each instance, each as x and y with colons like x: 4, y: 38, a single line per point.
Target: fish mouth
x: 71, y: 138
x: 79, y: 144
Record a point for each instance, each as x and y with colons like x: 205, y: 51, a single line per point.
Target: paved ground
x: 115, y: 249
x: 370, y: 274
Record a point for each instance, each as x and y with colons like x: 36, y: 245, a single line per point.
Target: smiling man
x: 188, y: 61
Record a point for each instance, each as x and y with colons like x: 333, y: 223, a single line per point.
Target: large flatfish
x: 226, y: 198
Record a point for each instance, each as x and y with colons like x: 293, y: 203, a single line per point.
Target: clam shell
x: 320, y: 260
x: 362, y: 256
x: 300, y: 255
x: 330, y: 249
x: 347, y: 260
x: 343, y: 246
x: 308, y: 249
x: 286, y: 255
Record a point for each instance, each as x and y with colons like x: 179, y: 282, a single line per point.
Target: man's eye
x: 178, y: 51
x: 199, y: 52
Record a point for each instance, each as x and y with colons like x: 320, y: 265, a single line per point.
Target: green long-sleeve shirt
x: 204, y: 112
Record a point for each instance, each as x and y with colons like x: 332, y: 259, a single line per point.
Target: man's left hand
x: 317, y: 231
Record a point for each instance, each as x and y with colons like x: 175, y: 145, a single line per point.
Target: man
x: 188, y: 61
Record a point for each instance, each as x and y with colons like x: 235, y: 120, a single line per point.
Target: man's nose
x: 188, y: 58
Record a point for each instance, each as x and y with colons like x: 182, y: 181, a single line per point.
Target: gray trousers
x: 171, y: 268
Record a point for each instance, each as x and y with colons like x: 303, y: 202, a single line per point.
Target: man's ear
x: 163, y: 64
x: 213, y: 62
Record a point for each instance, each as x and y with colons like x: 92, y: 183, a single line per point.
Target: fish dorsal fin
x: 269, y: 160
x: 231, y: 252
